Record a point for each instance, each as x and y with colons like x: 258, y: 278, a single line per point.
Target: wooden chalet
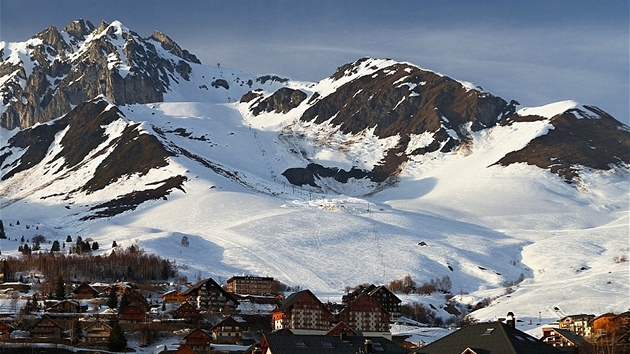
x: 227, y: 331
x: 211, y: 297
x: 84, y: 291
x: 611, y: 330
x: 198, y: 340
x: 66, y: 306
x: 132, y: 313
x: 488, y: 338
x: 97, y: 332
x: 366, y: 315
x: 563, y: 339
x: 302, y: 313
x: 187, y: 312
x: 275, y: 343
x: 5, y: 330
x: 46, y: 327
x: 135, y: 298
x: 174, y: 296
x: 578, y: 324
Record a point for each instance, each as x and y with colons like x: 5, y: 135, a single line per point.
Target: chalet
x: 366, y: 315
x: 578, y: 324
x: 66, y: 306
x: 174, y: 296
x: 187, y: 312
x: 46, y: 327
x: 134, y: 298
x: 274, y: 343
x: 302, y: 313
x: 250, y: 285
x: 488, y: 338
x: 388, y: 300
x: 198, y: 340
x: 84, y: 291
x: 563, y: 339
x: 97, y: 332
x: 5, y: 330
x: 132, y: 313
x: 611, y: 330
x: 210, y: 296
x: 227, y: 331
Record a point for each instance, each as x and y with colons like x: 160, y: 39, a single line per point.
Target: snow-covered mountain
x: 381, y: 170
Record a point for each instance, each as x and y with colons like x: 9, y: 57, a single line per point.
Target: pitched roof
x: 572, y: 337
x: 293, y: 298
x: 488, y: 338
x: 213, y: 284
x: 315, y: 344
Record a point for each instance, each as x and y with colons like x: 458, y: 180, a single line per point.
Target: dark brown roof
x: 572, y: 337
x: 289, y: 301
x: 214, y: 284
x: 488, y: 338
x: 315, y: 344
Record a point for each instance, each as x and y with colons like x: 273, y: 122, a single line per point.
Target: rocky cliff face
x: 403, y: 101
x: 55, y: 71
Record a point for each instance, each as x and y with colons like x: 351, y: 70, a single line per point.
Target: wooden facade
x: 211, y: 297
x: 134, y: 298
x: 174, y: 296
x: 84, y: 291
x: 46, y: 327
x: 198, y: 340
x: 227, y: 331
x: 302, y: 313
x: 132, y: 313
x: 365, y: 314
x: 65, y: 306
x: 187, y: 312
x: 97, y: 332
x: 611, y: 329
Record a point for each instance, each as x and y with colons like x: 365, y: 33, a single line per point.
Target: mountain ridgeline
x: 64, y: 91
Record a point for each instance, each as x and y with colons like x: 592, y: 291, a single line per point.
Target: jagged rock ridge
x: 63, y: 69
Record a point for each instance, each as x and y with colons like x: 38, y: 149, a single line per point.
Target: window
x: 487, y: 332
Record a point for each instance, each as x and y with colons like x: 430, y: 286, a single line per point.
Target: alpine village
x: 250, y: 314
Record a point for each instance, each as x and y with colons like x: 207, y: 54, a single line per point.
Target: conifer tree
x: 60, y: 289
x: 112, y: 300
x: 117, y: 341
x: 2, y: 233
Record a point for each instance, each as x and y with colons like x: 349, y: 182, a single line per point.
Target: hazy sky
x: 533, y: 51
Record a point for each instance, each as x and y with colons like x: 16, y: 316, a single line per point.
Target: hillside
x: 381, y: 170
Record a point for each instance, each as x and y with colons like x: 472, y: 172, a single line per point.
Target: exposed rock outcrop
x: 109, y: 60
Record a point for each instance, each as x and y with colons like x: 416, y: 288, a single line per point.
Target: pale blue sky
x: 536, y: 52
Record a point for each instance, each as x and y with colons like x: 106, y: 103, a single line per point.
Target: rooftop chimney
x: 511, y: 320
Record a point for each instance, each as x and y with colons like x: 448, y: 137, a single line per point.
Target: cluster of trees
x: 406, y: 285
x: 130, y: 263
